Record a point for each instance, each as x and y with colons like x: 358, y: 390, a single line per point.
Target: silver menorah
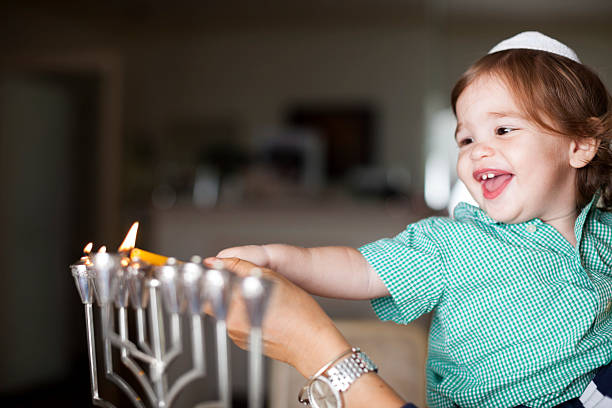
x: 118, y: 283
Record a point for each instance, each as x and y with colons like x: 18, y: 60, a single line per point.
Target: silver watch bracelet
x: 322, y: 370
x: 354, y: 352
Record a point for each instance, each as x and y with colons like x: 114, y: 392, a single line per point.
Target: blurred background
x: 219, y: 123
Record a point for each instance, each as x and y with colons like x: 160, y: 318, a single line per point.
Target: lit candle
x: 127, y: 247
x: 87, y: 252
x: 129, y: 241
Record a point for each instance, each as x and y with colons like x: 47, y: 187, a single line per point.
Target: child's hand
x: 255, y: 254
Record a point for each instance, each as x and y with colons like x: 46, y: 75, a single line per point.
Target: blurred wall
x: 252, y: 76
x: 250, y: 62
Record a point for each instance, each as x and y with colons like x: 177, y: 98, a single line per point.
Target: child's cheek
x: 463, y: 167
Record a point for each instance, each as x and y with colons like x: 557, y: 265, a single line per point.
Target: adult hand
x: 295, y: 328
x: 297, y: 331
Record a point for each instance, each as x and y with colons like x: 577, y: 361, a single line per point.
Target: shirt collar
x: 464, y: 211
x: 579, y: 224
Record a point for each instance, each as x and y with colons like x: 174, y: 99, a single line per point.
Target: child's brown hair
x: 561, y: 96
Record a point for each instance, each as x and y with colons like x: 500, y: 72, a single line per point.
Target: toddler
x: 520, y: 287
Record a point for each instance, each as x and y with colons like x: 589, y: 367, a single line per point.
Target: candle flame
x: 88, y: 248
x: 130, y: 239
x: 102, y: 249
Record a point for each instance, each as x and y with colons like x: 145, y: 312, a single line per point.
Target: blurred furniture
x: 399, y: 351
x: 186, y: 230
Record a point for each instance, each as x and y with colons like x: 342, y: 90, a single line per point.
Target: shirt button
x: 608, y: 307
x: 531, y: 228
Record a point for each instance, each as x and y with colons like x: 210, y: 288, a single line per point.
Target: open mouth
x: 493, y: 182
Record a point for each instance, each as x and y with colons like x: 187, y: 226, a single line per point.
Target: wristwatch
x: 323, y: 390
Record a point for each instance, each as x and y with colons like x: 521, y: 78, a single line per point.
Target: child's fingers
x: 239, y: 266
x: 251, y: 253
x: 234, y: 252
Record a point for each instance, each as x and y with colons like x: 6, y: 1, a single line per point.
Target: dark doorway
x: 49, y: 127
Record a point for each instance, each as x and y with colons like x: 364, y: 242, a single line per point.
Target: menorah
x: 122, y: 281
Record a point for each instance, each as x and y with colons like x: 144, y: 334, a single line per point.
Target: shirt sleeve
x: 411, y: 268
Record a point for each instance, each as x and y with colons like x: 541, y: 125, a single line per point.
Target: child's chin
x: 497, y: 217
x: 497, y: 214
x: 505, y: 217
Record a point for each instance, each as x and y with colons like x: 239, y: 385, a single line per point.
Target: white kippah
x: 533, y: 40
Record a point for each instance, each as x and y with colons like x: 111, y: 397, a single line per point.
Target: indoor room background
x: 220, y: 123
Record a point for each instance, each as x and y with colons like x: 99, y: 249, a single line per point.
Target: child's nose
x: 482, y: 150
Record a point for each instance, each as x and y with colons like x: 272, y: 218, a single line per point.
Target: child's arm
x: 339, y: 272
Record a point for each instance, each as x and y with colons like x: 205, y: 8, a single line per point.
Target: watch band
x: 346, y: 371
x: 340, y: 373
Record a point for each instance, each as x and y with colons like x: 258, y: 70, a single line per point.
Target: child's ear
x: 582, y: 151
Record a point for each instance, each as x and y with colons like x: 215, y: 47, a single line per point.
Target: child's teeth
x: 487, y: 176
x: 491, y: 175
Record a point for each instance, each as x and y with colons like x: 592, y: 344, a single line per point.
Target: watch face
x: 323, y: 395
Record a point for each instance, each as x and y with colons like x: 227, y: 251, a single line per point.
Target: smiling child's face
x: 515, y: 170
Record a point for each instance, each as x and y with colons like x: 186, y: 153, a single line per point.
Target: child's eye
x: 500, y: 131
x: 465, y: 141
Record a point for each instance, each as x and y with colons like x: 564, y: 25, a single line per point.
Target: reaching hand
x: 255, y: 254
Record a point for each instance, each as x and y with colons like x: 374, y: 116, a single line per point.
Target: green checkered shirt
x: 520, y: 316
